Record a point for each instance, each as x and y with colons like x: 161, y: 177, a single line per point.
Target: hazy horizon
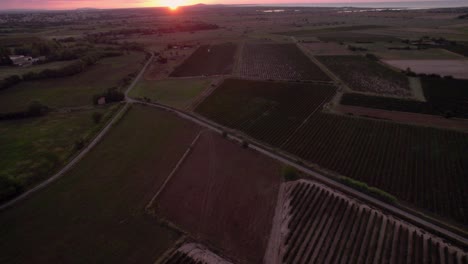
x: 76, y: 4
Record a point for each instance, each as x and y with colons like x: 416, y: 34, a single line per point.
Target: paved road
x: 85, y: 151
x: 399, y: 212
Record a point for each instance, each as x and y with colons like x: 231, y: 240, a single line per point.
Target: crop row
x: 326, y: 227
x: 208, y: 60
x: 268, y: 111
x: 365, y: 75
x: 423, y: 166
x: 278, y: 62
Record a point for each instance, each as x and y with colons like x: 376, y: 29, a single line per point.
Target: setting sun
x: 173, y: 4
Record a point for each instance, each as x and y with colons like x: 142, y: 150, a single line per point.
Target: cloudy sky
x: 71, y: 4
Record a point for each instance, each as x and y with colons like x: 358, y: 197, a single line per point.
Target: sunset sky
x: 71, y: 4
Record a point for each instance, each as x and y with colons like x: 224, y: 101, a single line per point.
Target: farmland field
x: 323, y: 226
x: 455, y: 68
x: 178, y: 93
x: 76, y: 90
x: 445, y: 97
x: 225, y: 195
x: 33, y: 149
x: 278, y: 62
x: 270, y: 111
x: 208, y: 60
x: 96, y: 212
x: 401, y: 159
x: 364, y: 75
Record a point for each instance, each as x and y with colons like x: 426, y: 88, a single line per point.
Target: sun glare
x: 172, y: 4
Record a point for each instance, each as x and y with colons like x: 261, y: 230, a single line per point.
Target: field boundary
x: 175, y: 169
x: 456, y: 235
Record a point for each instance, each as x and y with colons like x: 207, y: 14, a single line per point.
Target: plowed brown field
x: 225, y: 196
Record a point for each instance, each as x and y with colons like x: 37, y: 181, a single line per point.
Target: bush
x: 289, y: 173
x: 112, y: 95
x: 9, y: 81
x: 9, y: 187
x: 372, y: 191
x: 35, y: 109
x: 372, y: 57
x: 79, y: 144
x: 245, y: 144
x: 97, y: 117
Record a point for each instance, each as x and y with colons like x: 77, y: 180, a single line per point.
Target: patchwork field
x: 455, y: 68
x: 400, y: 159
x: 320, y: 225
x: 225, y: 195
x: 445, y: 97
x: 364, y: 75
x: 179, y: 93
x: 270, y: 111
x: 76, y: 90
x: 96, y: 212
x: 208, y: 60
x: 278, y: 62
x: 33, y: 149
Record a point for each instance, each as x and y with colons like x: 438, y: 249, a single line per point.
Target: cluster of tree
x: 465, y: 16
x: 9, y: 81
x: 371, y: 56
x: 69, y: 70
x: 112, y: 95
x: 5, y: 56
x: 410, y: 73
x: 35, y: 109
x: 354, y: 48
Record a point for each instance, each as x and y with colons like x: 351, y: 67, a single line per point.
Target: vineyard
x: 365, y: 75
x: 323, y: 226
x: 191, y: 253
x: 208, y: 60
x: 404, y: 160
x: 278, y: 62
x: 445, y: 97
x: 225, y: 195
x: 270, y: 111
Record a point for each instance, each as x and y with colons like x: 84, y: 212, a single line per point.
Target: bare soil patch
x: 225, y: 196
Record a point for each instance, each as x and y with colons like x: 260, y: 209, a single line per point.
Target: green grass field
x: 76, y: 90
x: 34, y: 148
x: 177, y: 93
x: 95, y: 213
